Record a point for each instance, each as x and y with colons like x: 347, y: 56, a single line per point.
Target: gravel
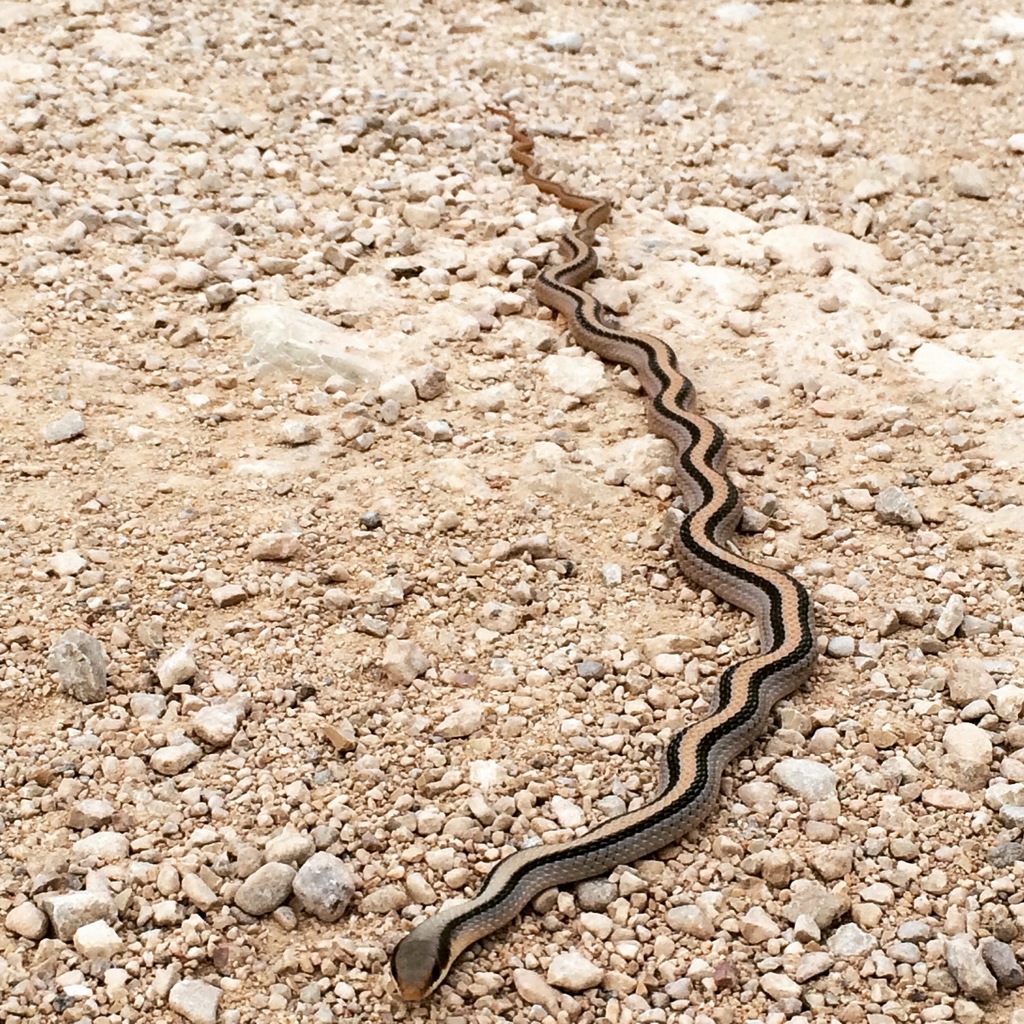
x: 332, y: 573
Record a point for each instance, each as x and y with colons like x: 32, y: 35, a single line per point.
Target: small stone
x: 81, y: 665
x: 97, y: 940
x: 177, y: 668
x: 851, y: 940
x: 1001, y: 961
x: 198, y: 892
x: 533, y: 989
x: 812, y: 965
x: 756, y: 926
x: 265, y: 889
x: 464, y: 721
x: 68, y: 427
x: 91, y: 814
x: 969, y: 751
x: 69, y: 911
x: 894, y: 507
x: 571, y: 971
x: 67, y: 563
x: 100, y: 848
x: 297, y: 432
x: 276, y: 546
x: 324, y: 886
x: 690, y: 920
x: 809, y: 780
x: 289, y: 848
x: 950, y: 618
x: 971, y: 181
x: 228, y: 595
x: 430, y: 382
x: 404, y: 661
x: 567, y: 813
x: 385, y: 900
x: 1016, y: 142
x: 815, y: 522
x: 1005, y: 854
x: 595, y: 894
x: 175, y: 758
x: 563, y: 42
x: 967, y: 965
x: 217, y: 724
x: 196, y: 1001
x: 778, y: 986
x: 502, y: 618
x: 28, y: 921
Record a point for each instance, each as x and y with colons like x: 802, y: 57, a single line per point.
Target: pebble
x: 101, y: 848
x: 571, y: 971
x: 849, y: 940
x: 265, y: 889
x: 97, y: 940
x: 297, y: 432
x: 465, y: 720
x: 894, y: 507
x: 971, y: 181
x: 196, y: 1001
x: 217, y: 724
x: 404, y: 661
x: 950, y: 618
x: 67, y: 428
x: 1016, y: 142
x: 534, y: 990
x: 28, y: 921
x: 324, y: 886
x: 69, y: 911
x: 177, y: 668
x: 969, y: 755
x: 275, y: 546
x: 1002, y: 962
x: 81, y: 665
x: 174, y: 759
x: 563, y: 42
x: 809, y: 780
x: 289, y: 848
x: 967, y: 965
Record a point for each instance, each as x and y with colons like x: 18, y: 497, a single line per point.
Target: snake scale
x: 746, y: 691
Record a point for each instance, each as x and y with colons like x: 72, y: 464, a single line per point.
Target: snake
x: 746, y: 691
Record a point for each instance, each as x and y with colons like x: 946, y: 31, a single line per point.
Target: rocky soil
x: 332, y: 572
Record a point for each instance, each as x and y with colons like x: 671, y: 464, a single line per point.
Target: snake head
x: 416, y: 967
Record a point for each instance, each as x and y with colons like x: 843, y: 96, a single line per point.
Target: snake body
x: 746, y: 692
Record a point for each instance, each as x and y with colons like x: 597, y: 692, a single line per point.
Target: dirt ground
x: 375, y: 557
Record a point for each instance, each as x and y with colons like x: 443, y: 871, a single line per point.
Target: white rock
x: 464, y: 721
x: 97, y: 940
x: 579, y: 376
x: 778, y: 986
x: 567, y: 814
x: 28, y: 921
x: 196, y: 1001
x: 969, y: 755
x: 175, y: 758
x: 756, y: 926
x: 67, y: 563
x: 404, y: 661
x: 532, y: 988
x: 177, y: 668
x: 101, y: 848
x: 806, y: 779
x: 217, y: 724
x: 573, y: 972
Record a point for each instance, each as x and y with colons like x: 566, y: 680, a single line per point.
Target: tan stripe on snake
x: 746, y: 692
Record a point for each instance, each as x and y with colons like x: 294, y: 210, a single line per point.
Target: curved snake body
x: 746, y: 692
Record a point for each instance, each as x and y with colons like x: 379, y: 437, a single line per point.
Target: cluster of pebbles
x: 332, y: 573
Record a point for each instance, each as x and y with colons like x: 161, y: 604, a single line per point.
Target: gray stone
x: 178, y: 667
x: 1001, y: 961
x: 809, y: 780
x: 69, y: 911
x: 571, y: 971
x: 196, y: 1001
x: 175, y: 758
x: 289, y: 848
x: 265, y: 889
x: 324, y: 886
x: 894, y: 507
x: 971, y: 181
x: 404, y: 661
x: 81, y: 665
x: 68, y: 427
x: 967, y: 965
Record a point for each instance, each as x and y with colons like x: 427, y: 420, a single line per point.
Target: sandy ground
x: 376, y: 559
